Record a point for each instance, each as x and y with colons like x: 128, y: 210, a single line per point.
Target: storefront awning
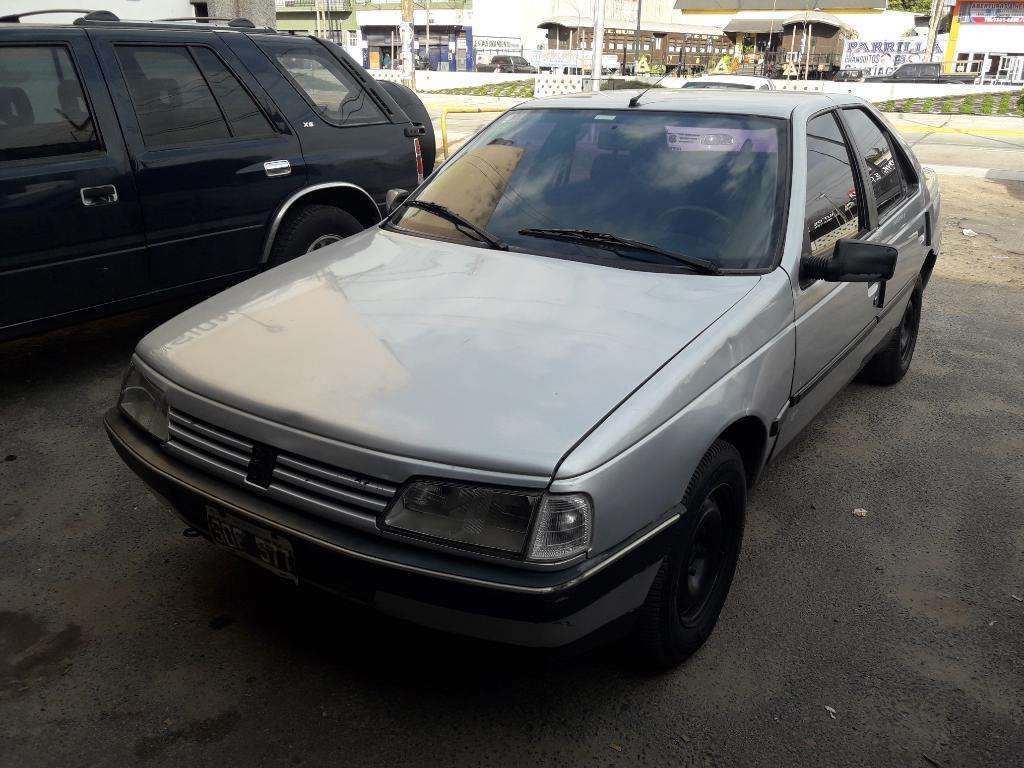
x: 754, y: 26
x: 586, y: 22
x: 817, y: 17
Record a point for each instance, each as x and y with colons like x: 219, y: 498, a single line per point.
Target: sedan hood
x: 438, y: 351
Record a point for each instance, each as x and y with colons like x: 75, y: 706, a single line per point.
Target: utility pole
x: 595, y: 67
x: 933, y: 27
x: 636, y: 39
x: 408, y: 31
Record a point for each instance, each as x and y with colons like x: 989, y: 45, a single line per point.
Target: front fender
x: 637, y: 462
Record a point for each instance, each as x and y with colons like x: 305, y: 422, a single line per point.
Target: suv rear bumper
x: 494, y: 602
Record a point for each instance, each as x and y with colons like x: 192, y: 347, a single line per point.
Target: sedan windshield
x: 682, y: 190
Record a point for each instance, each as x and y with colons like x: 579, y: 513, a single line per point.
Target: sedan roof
x: 742, y: 102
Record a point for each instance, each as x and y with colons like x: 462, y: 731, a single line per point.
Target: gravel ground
x: 123, y: 643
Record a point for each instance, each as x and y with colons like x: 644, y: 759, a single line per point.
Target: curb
x: 994, y: 174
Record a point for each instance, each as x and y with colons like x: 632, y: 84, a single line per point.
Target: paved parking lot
x: 123, y: 643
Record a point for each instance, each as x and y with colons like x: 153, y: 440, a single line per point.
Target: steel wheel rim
x: 322, y: 242
x: 706, y: 560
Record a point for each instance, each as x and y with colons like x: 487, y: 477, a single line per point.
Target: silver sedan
x: 531, y: 402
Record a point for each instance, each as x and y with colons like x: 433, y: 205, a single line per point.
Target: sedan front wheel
x: 690, y: 588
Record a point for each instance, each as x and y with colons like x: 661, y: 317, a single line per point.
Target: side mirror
x: 853, y: 261
x: 395, y: 197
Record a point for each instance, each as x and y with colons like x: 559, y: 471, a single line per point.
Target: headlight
x: 494, y: 518
x: 144, y: 403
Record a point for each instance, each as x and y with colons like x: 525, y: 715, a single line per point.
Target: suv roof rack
x: 15, y: 18
x: 106, y: 17
x: 236, y: 22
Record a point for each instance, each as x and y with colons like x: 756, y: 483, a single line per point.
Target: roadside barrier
x: 465, y: 110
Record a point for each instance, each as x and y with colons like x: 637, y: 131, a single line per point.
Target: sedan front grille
x: 330, y: 492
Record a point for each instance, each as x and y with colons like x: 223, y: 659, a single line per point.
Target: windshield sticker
x: 604, y: 117
x: 688, y: 139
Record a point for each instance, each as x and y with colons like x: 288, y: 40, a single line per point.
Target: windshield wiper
x: 458, y: 220
x: 614, y: 242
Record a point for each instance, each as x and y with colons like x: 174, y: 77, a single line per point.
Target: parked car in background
x: 530, y: 405
x: 515, y: 64
x: 736, y: 82
x: 850, y: 75
x: 140, y: 161
x: 922, y: 72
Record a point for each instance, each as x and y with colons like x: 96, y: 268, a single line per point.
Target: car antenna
x: 635, y: 101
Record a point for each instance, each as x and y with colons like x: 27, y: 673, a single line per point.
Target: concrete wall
x: 436, y: 81
x: 259, y: 12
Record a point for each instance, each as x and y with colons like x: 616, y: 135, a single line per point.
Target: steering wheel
x: 695, y: 208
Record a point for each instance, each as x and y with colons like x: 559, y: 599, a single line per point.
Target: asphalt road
x: 124, y: 643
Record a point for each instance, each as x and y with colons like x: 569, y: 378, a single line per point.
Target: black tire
x: 891, y: 362
x: 413, y: 107
x: 309, y: 228
x: 690, y: 588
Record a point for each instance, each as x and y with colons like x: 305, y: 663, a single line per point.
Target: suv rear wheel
x: 310, y: 228
x: 691, y: 586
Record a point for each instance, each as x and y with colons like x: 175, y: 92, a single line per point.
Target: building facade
x: 786, y: 38
x: 370, y: 30
x: 987, y: 38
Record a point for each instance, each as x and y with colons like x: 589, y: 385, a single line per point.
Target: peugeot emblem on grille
x: 261, y: 465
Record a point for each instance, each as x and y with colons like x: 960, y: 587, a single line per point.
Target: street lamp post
x: 595, y: 66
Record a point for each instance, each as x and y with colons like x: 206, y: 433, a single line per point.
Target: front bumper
x: 490, y: 601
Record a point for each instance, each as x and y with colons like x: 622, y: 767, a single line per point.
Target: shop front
x: 987, y: 39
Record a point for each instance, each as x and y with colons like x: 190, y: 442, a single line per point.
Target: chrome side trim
x: 275, y: 223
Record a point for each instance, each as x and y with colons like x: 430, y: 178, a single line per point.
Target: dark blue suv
x: 140, y: 161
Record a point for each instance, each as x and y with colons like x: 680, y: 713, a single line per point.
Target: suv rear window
x: 173, y: 99
x: 43, y: 111
x: 327, y: 85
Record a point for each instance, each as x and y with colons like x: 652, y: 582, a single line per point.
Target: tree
x: 914, y: 6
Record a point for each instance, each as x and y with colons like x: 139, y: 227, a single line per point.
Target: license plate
x: 253, y: 542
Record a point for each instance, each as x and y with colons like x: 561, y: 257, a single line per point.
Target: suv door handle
x: 277, y: 168
x: 414, y: 130
x: 104, y: 195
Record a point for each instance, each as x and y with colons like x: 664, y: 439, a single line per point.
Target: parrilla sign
x: 881, y: 57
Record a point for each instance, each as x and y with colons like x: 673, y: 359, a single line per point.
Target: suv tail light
x: 418, y: 147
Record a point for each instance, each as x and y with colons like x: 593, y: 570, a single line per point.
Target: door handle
x: 414, y: 130
x: 104, y: 195
x: 277, y: 168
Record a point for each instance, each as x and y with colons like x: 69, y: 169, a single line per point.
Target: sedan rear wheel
x: 891, y: 363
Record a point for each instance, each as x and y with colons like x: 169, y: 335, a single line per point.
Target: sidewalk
x: 973, y: 125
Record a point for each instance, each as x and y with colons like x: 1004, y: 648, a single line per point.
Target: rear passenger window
x: 43, y: 110
x: 833, y: 210
x: 883, y: 170
x: 187, y: 94
x: 245, y: 119
x: 327, y: 85
x: 172, y: 101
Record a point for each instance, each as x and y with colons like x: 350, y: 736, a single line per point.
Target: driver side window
x: 833, y: 210
x: 326, y: 84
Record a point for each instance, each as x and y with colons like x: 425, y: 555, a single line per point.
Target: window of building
x: 326, y: 84
x: 353, y: 38
x: 833, y: 211
x: 43, y: 111
x: 884, y: 171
